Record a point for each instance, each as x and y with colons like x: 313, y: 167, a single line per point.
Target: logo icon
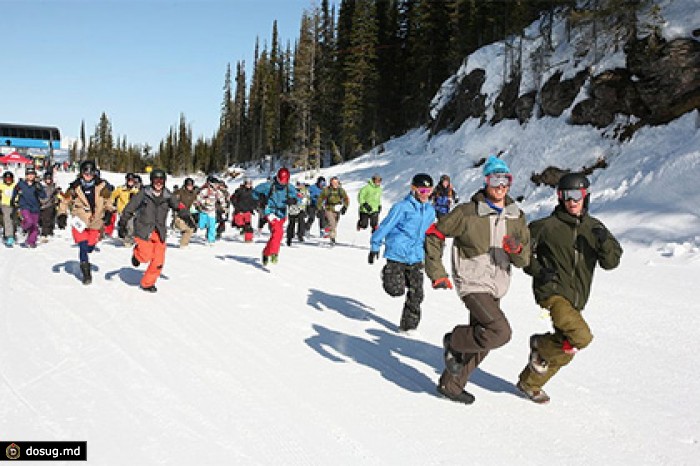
x: 12, y: 451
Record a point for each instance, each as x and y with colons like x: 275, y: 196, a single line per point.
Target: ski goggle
x: 575, y: 195
x: 495, y: 180
x: 424, y: 191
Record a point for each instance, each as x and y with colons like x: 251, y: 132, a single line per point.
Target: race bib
x: 78, y: 224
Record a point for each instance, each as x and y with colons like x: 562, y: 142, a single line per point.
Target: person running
x: 184, y: 221
x: 444, y: 196
x: 403, y: 232
x: 150, y: 207
x: 313, y: 211
x: 27, y: 195
x: 222, y: 210
x: 121, y: 197
x: 276, y: 195
x: 47, y: 216
x: 297, y: 214
x: 490, y: 236
x: 334, y: 201
x: 7, y: 187
x: 369, y: 199
x: 244, y: 204
x: 90, y: 208
x: 208, y: 200
x: 566, y: 248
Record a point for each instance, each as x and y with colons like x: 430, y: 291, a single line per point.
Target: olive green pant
x: 568, y: 325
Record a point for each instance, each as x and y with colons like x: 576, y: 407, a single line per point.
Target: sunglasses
x: 575, y: 195
x: 499, y: 179
x: 424, y: 191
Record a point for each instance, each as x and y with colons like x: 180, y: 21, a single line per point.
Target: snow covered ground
x: 302, y: 363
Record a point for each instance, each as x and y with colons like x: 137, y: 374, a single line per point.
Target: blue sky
x: 142, y: 62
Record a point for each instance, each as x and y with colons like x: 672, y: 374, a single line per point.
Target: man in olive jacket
x: 566, y: 247
x: 490, y: 234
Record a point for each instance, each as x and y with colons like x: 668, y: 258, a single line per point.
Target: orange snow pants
x: 153, y: 252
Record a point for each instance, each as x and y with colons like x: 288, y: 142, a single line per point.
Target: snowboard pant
x: 396, y: 279
x: 208, y: 222
x: 365, y: 219
x: 30, y: 224
x: 488, y: 329
x: 86, y: 241
x: 185, y: 229
x: 243, y: 220
x: 47, y: 220
x: 276, y: 234
x: 8, y: 221
x: 151, y: 251
x: 313, y: 213
x: 296, y: 225
x: 332, y: 219
x: 568, y: 325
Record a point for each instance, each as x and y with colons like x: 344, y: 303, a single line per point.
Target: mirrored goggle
x: 424, y: 191
x: 499, y: 179
x: 572, y: 194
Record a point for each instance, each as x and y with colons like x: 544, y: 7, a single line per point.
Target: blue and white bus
x: 23, y: 137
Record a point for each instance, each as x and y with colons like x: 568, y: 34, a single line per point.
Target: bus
x: 24, y: 137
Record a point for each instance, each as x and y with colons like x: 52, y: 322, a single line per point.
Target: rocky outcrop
x: 557, y: 95
x: 468, y: 102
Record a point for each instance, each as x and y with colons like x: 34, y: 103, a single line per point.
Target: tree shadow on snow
x: 376, y: 354
x: 349, y: 307
x: 73, y: 268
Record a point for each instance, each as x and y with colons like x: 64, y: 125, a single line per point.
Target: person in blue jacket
x: 276, y: 195
x: 312, y: 210
x: 27, y: 196
x: 403, y: 233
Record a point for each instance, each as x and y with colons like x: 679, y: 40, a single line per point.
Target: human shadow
x: 375, y: 354
x: 348, y: 307
x: 246, y: 260
x: 128, y: 275
x: 73, y: 268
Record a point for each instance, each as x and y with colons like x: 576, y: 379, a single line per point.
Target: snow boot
x: 454, y: 362
x: 87, y: 274
x: 464, y: 397
x: 134, y: 261
x: 538, y: 396
x: 150, y: 289
x: 537, y: 364
x: 265, y: 259
x: 274, y: 258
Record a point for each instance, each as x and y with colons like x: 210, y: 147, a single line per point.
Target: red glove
x: 568, y: 348
x: 442, y: 283
x: 512, y: 245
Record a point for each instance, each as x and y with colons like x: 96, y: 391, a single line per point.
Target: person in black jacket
x: 150, y: 206
x: 244, y: 204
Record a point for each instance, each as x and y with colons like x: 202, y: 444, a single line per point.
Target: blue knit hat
x: 495, y: 165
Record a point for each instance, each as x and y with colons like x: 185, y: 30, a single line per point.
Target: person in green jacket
x: 566, y: 247
x: 369, y: 198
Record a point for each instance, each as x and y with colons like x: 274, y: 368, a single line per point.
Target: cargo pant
x: 488, y: 329
x: 399, y: 278
x: 151, y: 251
x: 568, y: 325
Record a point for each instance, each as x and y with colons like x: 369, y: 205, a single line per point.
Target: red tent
x: 14, y: 157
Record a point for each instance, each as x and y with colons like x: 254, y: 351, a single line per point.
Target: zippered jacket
x: 370, y: 194
x: 566, y: 244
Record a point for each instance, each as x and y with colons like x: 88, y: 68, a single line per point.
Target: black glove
x: 600, y: 233
x: 366, y: 207
x: 107, y: 217
x: 379, y: 209
x: 121, y: 230
x: 184, y: 214
x: 291, y: 201
x: 372, y: 256
x: 343, y: 210
x: 547, y: 274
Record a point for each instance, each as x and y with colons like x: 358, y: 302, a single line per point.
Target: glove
x: 121, y: 231
x: 568, y: 348
x: 184, y: 214
x: 291, y: 201
x: 372, y: 256
x: 366, y: 207
x: 512, y: 245
x: 379, y: 209
x: 107, y: 217
x: 600, y: 233
x: 442, y: 283
x: 547, y: 275
x: 343, y: 210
